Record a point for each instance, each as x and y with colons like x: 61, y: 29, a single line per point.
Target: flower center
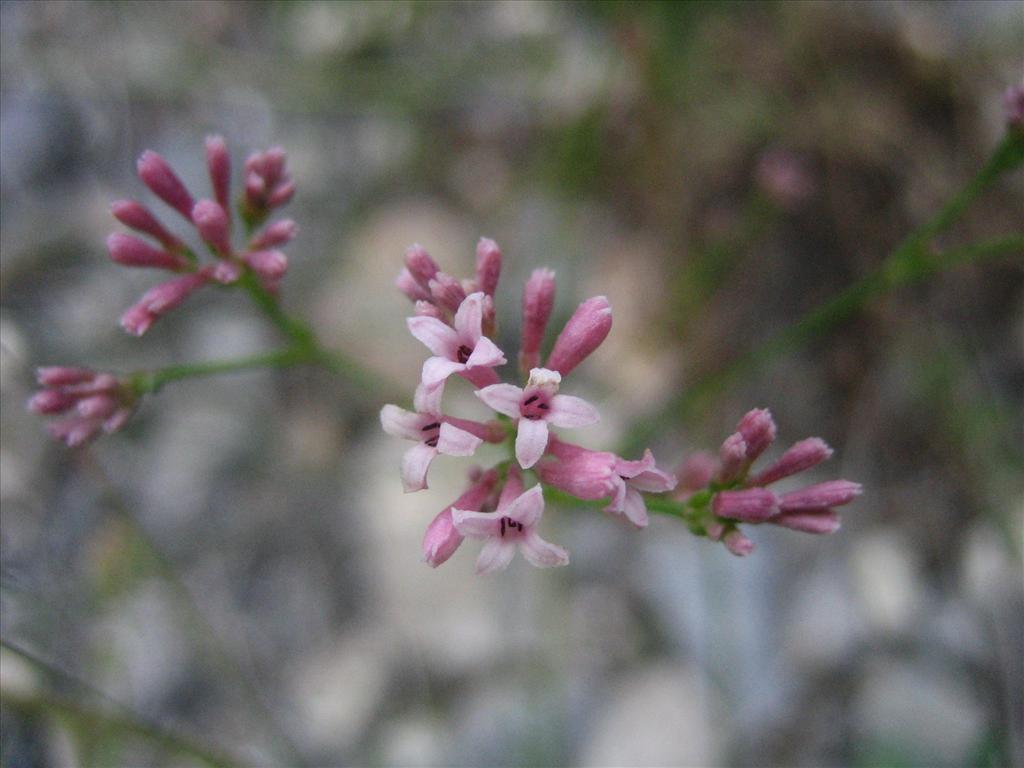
x: 463, y: 353
x: 431, y: 432
x: 507, y: 523
x: 535, y: 406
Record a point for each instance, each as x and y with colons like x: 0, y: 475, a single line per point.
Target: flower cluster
x: 723, y: 493
x: 455, y: 320
x: 101, y: 402
x: 267, y: 187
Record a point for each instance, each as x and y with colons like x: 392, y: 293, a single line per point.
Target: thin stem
x: 146, y: 382
x: 912, y: 260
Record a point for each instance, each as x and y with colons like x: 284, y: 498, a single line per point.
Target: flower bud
x: 800, y: 457
x: 732, y: 456
x: 442, y: 539
x: 586, y: 329
x: 753, y: 505
x: 407, y: 284
x: 270, y: 265
x: 738, y: 544
x: 62, y: 375
x: 212, y: 222
x: 447, y: 291
x: 141, y: 219
x: 218, y: 162
x: 50, y: 401
x: 538, y: 301
x: 819, y: 521
x: 832, y: 493
x: 164, y: 183
x: 278, y: 233
x: 758, y: 430
x: 129, y: 251
x: 488, y: 265
x: 696, y: 472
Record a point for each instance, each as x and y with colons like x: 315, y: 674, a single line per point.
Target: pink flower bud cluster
x: 99, y: 403
x: 455, y: 320
x: 267, y: 187
x: 739, y: 496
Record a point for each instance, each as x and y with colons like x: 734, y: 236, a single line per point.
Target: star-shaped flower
x: 535, y: 407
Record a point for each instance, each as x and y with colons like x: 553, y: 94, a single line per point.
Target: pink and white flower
x: 433, y: 433
x: 461, y: 349
x: 513, y: 526
x: 637, y: 477
x: 442, y: 538
x: 535, y: 407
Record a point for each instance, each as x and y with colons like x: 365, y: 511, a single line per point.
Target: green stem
x: 145, y: 382
x: 912, y: 260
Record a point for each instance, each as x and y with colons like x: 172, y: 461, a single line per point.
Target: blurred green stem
x: 913, y: 260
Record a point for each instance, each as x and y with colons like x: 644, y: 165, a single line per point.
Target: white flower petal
x: 437, y: 369
x: 531, y: 441
x: 469, y: 318
x: 399, y: 422
x: 634, y: 509
x: 439, y: 338
x: 504, y: 398
x: 485, y: 354
x: 569, y: 411
x: 415, y: 464
x: 527, y: 508
x: 541, y: 553
x: 478, y: 525
x: 453, y: 441
x: 428, y: 399
x: 495, y: 556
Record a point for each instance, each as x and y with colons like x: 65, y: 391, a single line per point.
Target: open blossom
x: 535, y: 407
x: 442, y: 538
x: 433, y: 432
x: 461, y: 349
x: 101, y: 403
x: 512, y: 526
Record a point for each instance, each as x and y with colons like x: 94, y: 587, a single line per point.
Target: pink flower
x: 538, y: 301
x: 102, y: 403
x: 267, y: 184
x: 442, y: 538
x: 141, y: 219
x: 462, y: 349
x: 636, y: 477
x: 535, y: 407
x: 586, y: 329
x: 165, y: 184
x: 433, y: 434
x: 159, y: 300
x: 513, y: 526
x: 211, y: 220
x: 488, y: 265
x: 129, y: 251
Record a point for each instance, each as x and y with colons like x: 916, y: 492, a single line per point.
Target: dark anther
x: 464, y: 353
x: 503, y: 525
x: 429, y: 427
x: 432, y: 442
x: 544, y: 406
x: 530, y: 399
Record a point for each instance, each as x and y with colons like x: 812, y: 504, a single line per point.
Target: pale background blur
x: 618, y: 144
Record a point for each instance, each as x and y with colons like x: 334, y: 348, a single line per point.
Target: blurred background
x: 240, y: 566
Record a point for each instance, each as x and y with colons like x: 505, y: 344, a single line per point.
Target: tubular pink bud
x: 278, y: 233
x: 97, y: 406
x: 758, y: 430
x: 212, y: 222
x: 442, y: 539
x: 420, y: 265
x: 281, y: 195
x: 141, y: 219
x: 50, y: 401
x: 538, y: 301
x: 800, y: 457
x: 270, y: 265
x: 832, y: 493
x: 696, y: 472
x: 738, y: 544
x: 159, y: 300
x: 488, y: 265
x: 129, y: 251
x: 584, y: 473
x: 754, y: 505
x: 218, y: 162
x: 74, y: 432
x: 407, y: 284
x: 447, y: 291
x: 61, y: 375
x: 822, y: 521
x: 161, y: 179
x: 733, y: 457
x: 586, y: 329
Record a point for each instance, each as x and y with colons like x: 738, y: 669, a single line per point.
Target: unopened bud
x: 164, y: 183
x: 586, y: 329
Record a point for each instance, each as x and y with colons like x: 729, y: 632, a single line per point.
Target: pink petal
x: 512, y: 489
x: 437, y: 369
x: 469, y: 317
x: 441, y: 539
x: 495, y: 556
x: 634, y: 509
x: 541, y: 553
x: 439, y: 338
x: 399, y: 422
x: 453, y: 441
x: 428, y: 399
x: 415, y: 464
x: 569, y: 411
x: 527, y: 508
x: 820, y: 521
x: 485, y: 354
x: 531, y: 441
x: 504, y: 398
x: 478, y: 525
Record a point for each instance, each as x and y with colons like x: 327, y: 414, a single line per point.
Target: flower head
x: 101, y: 402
